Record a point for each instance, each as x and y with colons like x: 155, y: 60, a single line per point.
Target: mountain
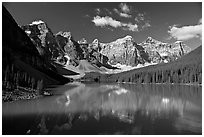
x: 62, y: 48
x: 22, y: 64
x: 122, y: 51
x: 43, y: 38
x: 187, y: 69
x: 164, y: 52
x: 70, y: 46
x: 126, y: 51
x: 96, y: 57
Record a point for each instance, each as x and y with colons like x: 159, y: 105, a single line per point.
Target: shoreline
x: 22, y: 93
x: 182, y: 84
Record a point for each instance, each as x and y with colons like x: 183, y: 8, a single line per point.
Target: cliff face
x: 70, y: 47
x: 53, y: 46
x: 164, y: 52
x: 43, y: 38
x: 123, y: 51
x: 126, y: 52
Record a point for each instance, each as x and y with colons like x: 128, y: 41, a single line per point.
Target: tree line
x: 14, y: 78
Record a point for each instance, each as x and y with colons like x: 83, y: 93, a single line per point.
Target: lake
x: 105, y: 108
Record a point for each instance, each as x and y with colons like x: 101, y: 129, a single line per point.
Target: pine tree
x: 40, y: 87
x: 33, y: 82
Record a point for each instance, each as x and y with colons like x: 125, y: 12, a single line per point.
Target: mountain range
x: 32, y: 52
x: 63, y: 48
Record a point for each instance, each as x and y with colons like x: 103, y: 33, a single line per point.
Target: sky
x: 108, y: 21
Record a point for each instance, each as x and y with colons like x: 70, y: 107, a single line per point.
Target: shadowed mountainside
x: 22, y: 64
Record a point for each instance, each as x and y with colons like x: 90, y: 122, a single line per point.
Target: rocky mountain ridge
x: 125, y: 51
x: 159, y: 51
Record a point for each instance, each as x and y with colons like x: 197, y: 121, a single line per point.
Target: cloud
x: 146, y: 24
x: 124, y: 11
x: 141, y: 20
x: 109, y: 21
x: 87, y: 15
x: 125, y: 15
x: 98, y: 11
x: 122, y: 14
x: 140, y: 17
x: 130, y: 26
x: 106, y: 21
x: 186, y: 32
x: 107, y: 10
x: 125, y: 8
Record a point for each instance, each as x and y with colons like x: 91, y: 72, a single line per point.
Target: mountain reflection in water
x: 78, y: 108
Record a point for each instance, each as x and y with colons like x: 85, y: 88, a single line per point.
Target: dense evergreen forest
x: 188, y: 69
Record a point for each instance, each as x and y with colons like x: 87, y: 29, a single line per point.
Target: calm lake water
x: 78, y: 108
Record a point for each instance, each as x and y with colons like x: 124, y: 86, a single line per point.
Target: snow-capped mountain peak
x: 83, y: 41
x: 95, y: 41
x: 178, y: 42
x: 121, y: 40
x: 152, y: 40
x: 65, y: 34
x: 36, y: 22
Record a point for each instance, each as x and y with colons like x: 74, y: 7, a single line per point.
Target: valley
x: 97, y: 68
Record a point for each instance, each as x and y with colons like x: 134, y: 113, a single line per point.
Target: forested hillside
x: 187, y: 69
x: 22, y: 66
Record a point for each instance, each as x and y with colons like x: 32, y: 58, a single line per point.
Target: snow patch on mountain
x: 124, y: 68
x: 65, y: 34
x: 28, y: 32
x: 37, y: 22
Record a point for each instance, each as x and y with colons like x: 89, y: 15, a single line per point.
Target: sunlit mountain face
x: 130, y: 106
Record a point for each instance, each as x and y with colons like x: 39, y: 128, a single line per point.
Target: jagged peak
x: 36, y: 22
x: 149, y: 38
x: 83, y: 41
x: 152, y: 40
x: 128, y: 37
x: 178, y: 42
x: 95, y: 41
x: 65, y: 34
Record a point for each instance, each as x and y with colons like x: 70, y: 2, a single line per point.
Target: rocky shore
x: 22, y: 93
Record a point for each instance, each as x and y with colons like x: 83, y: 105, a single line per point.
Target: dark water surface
x: 78, y: 108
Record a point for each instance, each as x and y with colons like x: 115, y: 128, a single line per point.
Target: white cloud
x: 98, y: 11
x: 109, y: 21
x: 130, y: 26
x: 121, y: 14
x: 125, y: 8
x: 146, y: 24
x: 140, y: 17
x: 142, y: 21
x: 125, y: 15
x: 106, y: 21
x: 186, y: 32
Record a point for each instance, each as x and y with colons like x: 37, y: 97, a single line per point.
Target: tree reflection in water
x: 115, y: 109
